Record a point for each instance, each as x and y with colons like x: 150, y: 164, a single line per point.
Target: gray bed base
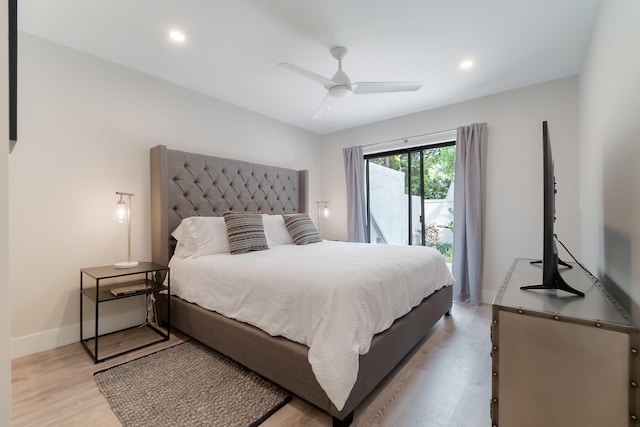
x: 187, y: 184
x: 286, y: 363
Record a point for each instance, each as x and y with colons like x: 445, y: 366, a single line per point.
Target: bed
x: 185, y: 185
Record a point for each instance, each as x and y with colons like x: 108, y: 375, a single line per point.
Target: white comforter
x: 331, y: 296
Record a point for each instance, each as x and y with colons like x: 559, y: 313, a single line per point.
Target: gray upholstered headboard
x: 187, y: 184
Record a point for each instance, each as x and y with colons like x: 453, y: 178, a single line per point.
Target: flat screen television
x: 551, y: 278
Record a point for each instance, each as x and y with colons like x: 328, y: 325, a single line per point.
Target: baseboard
x: 488, y: 296
x: 53, y: 338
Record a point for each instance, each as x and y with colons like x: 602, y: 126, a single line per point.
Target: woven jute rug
x: 188, y: 385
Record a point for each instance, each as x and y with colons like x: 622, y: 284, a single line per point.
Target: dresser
x: 559, y: 359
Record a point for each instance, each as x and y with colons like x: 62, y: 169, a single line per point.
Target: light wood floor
x: 445, y: 382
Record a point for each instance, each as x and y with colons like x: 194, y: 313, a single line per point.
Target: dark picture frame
x: 13, y: 70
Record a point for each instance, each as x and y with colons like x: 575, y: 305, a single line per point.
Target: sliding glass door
x: 410, y: 197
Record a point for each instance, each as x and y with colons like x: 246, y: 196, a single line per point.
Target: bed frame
x: 187, y: 184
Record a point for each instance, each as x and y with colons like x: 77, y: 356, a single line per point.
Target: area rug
x: 188, y: 385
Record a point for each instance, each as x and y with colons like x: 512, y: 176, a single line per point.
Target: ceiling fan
x: 340, y: 85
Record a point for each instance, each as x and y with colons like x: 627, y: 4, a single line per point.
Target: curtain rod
x: 407, y: 138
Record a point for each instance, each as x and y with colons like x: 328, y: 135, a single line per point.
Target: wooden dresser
x: 562, y: 360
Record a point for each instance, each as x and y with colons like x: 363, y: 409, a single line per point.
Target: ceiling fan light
x: 465, y: 65
x: 340, y: 91
x: 177, y: 36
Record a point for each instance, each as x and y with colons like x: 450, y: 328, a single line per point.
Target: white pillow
x: 201, y: 235
x: 275, y: 230
x: 185, y: 246
x: 183, y: 251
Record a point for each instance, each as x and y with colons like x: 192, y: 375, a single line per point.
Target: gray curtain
x: 468, y: 221
x: 356, y: 206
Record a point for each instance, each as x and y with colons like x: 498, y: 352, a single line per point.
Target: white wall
x: 610, y: 146
x: 5, y: 302
x: 86, y: 126
x: 514, y: 178
x: 388, y: 202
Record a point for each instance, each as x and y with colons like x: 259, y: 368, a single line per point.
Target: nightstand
x: 145, y: 279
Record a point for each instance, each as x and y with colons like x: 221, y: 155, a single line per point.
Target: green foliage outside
x: 446, y: 249
x: 432, y: 237
x: 438, y: 166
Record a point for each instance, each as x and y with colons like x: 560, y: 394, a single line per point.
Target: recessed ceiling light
x: 465, y: 65
x: 177, y: 36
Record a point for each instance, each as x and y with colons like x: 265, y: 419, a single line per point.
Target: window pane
x: 411, y: 197
x: 416, y: 199
x: 388, y: 205
x: 438, y: 198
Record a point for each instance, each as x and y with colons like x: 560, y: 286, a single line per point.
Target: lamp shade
x: 325, y: 211
x: 122, y: 213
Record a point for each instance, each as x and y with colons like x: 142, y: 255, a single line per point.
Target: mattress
x: 330, y: 296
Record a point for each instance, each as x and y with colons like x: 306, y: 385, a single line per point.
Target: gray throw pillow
x: 245, y: 232
x: 301, y: 229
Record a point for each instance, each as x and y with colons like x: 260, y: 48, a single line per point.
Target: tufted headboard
x: 187, y: 184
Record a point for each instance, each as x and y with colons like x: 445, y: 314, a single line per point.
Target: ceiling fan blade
x: 327, y: 104
x: 308, y: 74
x: 384, y: 87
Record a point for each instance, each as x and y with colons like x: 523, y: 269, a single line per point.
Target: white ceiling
x: 233, y: 47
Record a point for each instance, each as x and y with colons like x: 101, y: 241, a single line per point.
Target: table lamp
x: 122, y: 212
x: 323, y: 212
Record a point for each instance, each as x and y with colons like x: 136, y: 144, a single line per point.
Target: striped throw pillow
x: 301, y: 229
x: 245, y: 232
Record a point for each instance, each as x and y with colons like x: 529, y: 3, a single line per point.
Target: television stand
x: 560, y: 262
x: 558, y: 283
